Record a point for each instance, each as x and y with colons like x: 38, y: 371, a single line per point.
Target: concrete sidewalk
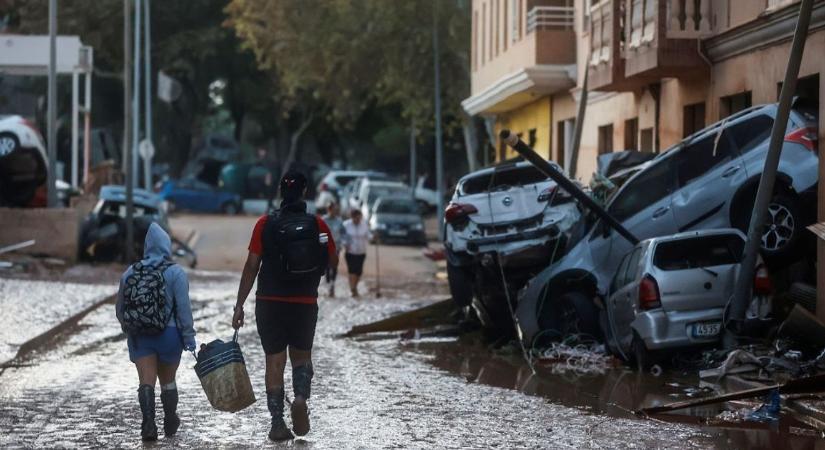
x: 32, y: 308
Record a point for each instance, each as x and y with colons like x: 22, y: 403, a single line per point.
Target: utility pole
x: 147, y: 61
x: 577, y: 131
x: 413, y: 180
x: 136, y: 99
x: 127, y: 130
x: 439, y: 151
x: 744, y: 282
x: 51, y: 119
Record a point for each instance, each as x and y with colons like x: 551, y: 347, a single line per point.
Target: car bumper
x: 400, y: 236
x: 669, y: 329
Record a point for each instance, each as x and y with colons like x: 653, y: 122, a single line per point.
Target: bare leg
x: 275, y: 365
x: 353, y: 284
x: 166, y: 372
x: 147, y: 368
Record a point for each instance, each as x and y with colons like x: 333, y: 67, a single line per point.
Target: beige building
x: 658, y: 70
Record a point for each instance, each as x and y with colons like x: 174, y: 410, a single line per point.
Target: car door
x: 643, y: 206
x: 708, y: 172
x: 624, y: 298
x: 184, y: 194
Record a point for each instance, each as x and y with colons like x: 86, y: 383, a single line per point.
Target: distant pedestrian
x: 356, y: 237
x: 289, y: 252
x: 335, y: 224
x: 153, y: 309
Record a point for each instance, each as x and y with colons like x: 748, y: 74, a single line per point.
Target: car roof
x: 141, y: 197
x: 694, y: 234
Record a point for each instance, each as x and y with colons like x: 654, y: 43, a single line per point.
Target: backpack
x: 144, y: 300
x: 295, y: 245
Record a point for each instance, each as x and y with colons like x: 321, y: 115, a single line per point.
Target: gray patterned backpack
x: 144, y: 300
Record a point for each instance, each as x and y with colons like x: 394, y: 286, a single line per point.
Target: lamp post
x: 51, y: 119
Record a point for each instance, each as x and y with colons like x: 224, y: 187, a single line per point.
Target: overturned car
x: 502, y: 226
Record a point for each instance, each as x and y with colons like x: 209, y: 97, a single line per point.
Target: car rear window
x: 502, y: 180
x: 701, y: 251
x: 397, y: 207
x: 344, y: 180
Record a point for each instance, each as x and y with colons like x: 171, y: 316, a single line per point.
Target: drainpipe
x: 744, y: 282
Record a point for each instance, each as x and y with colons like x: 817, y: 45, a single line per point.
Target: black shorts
x: 355, y: 263
x: 282, y: 324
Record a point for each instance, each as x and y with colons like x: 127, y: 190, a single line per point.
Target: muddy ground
x: 79, y: 389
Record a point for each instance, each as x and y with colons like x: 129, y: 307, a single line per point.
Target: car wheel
x: 461, y: 285
x: 783, y: 225
x: 643, y: 358
x: 579, y: 315
x: 8, y: 143
x: 230, y: 208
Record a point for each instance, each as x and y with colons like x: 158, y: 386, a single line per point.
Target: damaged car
x: 707, y: 181
x: 103, y: 232
x: 672, y: 293
x: 505, y: 222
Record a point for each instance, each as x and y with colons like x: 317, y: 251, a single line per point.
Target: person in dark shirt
x: 289, y: 252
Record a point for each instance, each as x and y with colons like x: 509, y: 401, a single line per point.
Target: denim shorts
x: 167, y: 346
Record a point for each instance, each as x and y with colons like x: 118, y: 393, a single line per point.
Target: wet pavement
x: 368, y: 393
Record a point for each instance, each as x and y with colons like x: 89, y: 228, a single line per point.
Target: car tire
x: 783, y: 228
x: 580, y: 315
x: 643, y: 358
x: 461, y: 285
x: 230, y: 208
x: 8, y: 143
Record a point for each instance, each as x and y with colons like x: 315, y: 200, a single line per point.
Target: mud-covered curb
x: 44, y: 338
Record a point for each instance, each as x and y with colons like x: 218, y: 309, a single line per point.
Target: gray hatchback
x: 672, y: 291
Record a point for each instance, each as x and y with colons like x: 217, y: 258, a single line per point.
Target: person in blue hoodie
x: 157, y: 357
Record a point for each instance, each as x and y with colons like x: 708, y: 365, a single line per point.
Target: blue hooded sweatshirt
x: 157, y: 249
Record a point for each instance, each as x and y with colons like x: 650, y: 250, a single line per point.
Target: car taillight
x: 456, y: 212
x: 548, y: 193
x: 762, y: 283
x: 805, y: 136
x: 554, y: 195
x: 649, y: 293
x: 323, y: 187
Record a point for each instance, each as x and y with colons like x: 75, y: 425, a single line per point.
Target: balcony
x: 661, y: 37
x: 539, y: 62
x: 606, y: 62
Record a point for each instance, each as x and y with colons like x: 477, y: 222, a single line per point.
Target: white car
x: 331, y: 186
x: 23, y: 161
x: 510, y: 216
x: 371, y: 190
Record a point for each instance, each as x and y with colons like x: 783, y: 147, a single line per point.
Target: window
x: 531, y: 138
x: 618, y: 279
x: 750, y: 133
x: 649, y: 187
x: 626, y: 272
x: 504, y: 24
x: 475, y: 40
x: 483, y: 33
x: 496, y: 20
x: 732, y: 104
x: 693, y: 119
x: 646, y: 140
x: 699, y: 157
x: 631, y: 134
x: 702, y: 251
x: 606, y: 139
x: 633, y: 265
x: 503, y: 179
x: 561, y: 141
x: 515, y: 12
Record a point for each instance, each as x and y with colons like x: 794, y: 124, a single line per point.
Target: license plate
x: 706, y: 329
x: 398, y: 232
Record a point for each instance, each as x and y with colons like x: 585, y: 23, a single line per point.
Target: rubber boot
x: 146, y: 398
x: 301, y: 383
x: 275, y: 403
x: 171, y: 421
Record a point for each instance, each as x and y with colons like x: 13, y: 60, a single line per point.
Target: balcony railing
x: 689, y: 19
x: 550, y: 18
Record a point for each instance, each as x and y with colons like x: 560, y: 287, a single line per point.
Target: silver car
x: 671, y: 292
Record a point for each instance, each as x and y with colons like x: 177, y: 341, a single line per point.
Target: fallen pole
x: 18, y: 246
x: 806, y: 385
x: 545, y: 167
x: 434, y: 314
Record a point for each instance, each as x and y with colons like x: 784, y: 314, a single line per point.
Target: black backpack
x: 144, y: 300
x: 293, y: 241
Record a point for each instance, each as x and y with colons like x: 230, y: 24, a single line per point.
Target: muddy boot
x: 146, y: 398
x: 301, y: 382
x: 169, y: 400
x: 275, y: 403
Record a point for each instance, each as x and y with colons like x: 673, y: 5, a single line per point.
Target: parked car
x: 672, y: 292
x: 330, y: 186
x: 397, y: 219
x: 371, y: 190
x: 350, y: 199
x: 195, y: 195
x: 707, y: 181
x: 23, y: 163
x: 511, y: 217
x: 103, y: 232
x: 426, y: 197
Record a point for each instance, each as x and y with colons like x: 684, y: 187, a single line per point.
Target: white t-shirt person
x: 356, y: 237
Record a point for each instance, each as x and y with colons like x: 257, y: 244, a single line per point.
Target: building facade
x: 657, y: 71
